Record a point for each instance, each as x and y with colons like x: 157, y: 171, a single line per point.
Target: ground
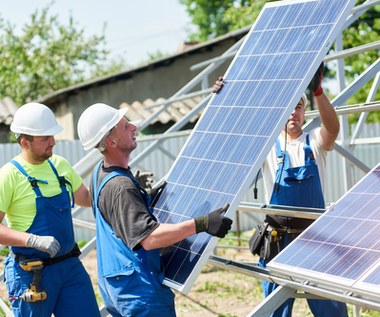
x: 215, y: 293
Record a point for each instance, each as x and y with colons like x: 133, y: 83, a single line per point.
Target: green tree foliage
x: 46, y: 56
x: 208, y: 17
x: 215, y: 18
x: 155, y: 55
x: 365, y: 30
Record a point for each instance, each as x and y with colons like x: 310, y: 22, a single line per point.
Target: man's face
x: 296, y: 118
x: 40, y: 148
x: 124, y: 135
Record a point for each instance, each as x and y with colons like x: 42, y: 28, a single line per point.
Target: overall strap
x: 63, y: 182
x: 32, y: 180
x: 97, y: 190
x: 309, y: 156
x: 282, y: 158
x: 279, y: 152
x: 95, y: 185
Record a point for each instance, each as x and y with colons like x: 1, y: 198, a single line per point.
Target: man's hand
x: 217, y: 85
x: 46, y: 244
x: 145, y: 179
x: 316, y: 83
x: 214, y: 223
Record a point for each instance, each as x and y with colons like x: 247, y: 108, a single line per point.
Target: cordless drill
x: 33, y: 293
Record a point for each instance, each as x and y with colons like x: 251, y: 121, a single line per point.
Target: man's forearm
x: 330, y: 122
x: 10, y: 237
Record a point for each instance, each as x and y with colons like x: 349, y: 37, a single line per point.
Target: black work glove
x: 316, y: 83
x: 156, y: 191
x: 145, y: 179
x: 214, y: 223
x: 217, y: 85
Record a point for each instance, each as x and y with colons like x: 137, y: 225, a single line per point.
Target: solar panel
x: 263, y: 84
x: 341, y: 250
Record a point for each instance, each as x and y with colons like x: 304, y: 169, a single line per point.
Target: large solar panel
x: 341, y: 250
x: 263, y: 84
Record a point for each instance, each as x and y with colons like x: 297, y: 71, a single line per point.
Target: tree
x: 208, y: 17
x: 214, y: 18
x: 365, y: 30
x: 48, y: 56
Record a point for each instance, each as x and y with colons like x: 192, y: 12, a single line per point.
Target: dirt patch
x: 215, y: 293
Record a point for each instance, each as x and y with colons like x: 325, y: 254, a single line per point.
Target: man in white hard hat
x: 129, y: 237
x: 43, y: 273
x: 294, y: 175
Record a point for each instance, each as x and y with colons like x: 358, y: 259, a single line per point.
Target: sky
x: 134, y: 28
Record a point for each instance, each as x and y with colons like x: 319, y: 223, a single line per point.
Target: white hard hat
x: 305, y: 100
x: 35, y: 119
x: 96, y: 121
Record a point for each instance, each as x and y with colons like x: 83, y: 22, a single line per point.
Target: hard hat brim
x: 103, y: 131
x: 35, y: 132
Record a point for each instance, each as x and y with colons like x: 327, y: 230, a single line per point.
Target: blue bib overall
x: 67, y: 284
x: 299, y: 186
x: 130, y: 282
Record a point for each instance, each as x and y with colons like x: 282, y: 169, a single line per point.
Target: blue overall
x: 67, y: 284
x: 130, y: 282
x: 299, y: 186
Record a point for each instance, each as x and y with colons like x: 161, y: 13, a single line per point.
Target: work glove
x: 145, y: 179
x: 217, y: 85
x: 316, y: 83
x: 214, y: 223
x: 46, y: 244
x: 156, y: 191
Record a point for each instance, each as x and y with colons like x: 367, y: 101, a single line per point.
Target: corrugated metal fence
x: 162, y: 158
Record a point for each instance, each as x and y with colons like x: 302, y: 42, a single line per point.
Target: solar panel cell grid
x: 344, y: 242
x: 239, y: 126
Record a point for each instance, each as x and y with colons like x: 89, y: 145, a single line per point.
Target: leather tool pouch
x: 257, y: 240
x: 270, y: 247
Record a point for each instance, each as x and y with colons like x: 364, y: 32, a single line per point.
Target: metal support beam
x: 363, y: 116
x: 358, y: 83
x: 253, y: 270
x: 342, y: 151
x: 299, y: 212
x: 279, y: 296
x: 173, y: 128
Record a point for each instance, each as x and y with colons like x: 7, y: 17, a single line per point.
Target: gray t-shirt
x: 123, y: 207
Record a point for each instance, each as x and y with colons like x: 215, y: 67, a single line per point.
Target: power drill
x: 33, y: 293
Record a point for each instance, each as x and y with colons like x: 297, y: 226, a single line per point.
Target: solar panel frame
x: 276, y: 89
x: 356, y: 265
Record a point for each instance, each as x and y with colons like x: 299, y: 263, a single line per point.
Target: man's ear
x: 110, y: 142
x: 25, y: 144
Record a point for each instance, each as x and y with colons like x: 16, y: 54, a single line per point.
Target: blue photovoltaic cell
x: 343, y: 243
x: 238, y: 127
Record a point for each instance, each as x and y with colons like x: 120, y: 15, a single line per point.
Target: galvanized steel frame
x: 85, y: 165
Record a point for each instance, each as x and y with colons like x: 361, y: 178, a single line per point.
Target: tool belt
x: 75, y: 252
x: 268, y: 241
x: 288, y: 222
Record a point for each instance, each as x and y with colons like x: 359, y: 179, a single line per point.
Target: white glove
x: 46, y: 244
